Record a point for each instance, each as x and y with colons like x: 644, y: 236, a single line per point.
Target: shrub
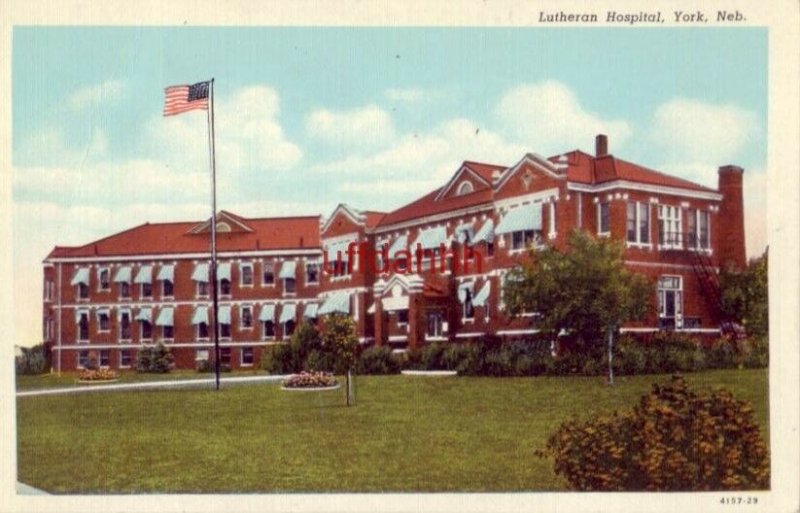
x: 155, y: 359
x: 377, y: 360
x: 467, y: 359
x: 723, y: 354
x: 431, y: 356
x: 674, y: 439
x: 33, y: 360
x: 205, y: 366
x: 318, y: 360
x: 758, y: 356
x: 310, y: 380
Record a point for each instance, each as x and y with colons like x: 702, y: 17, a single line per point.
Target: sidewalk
x: 177, y: 383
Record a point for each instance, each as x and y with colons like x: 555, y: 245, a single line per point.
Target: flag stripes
x: 182, y: 98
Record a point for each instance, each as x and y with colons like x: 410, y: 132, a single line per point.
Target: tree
x: 339, y: 339
x: 584, y: 289
x: 745, y: 296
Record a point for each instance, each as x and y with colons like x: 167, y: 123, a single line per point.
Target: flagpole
x: 213, y: 273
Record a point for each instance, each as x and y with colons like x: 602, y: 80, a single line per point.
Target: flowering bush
x: 674, y: 439
x: 98, y: 375
x: 310, y: 380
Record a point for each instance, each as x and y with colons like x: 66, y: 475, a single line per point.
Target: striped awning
x: 464, y: 288
x: 200, y: 272
x: 224, y: 271
x: 337, y: 302
x: 145, y: 314
x: 81, y: 276
x: 200, y: 315
x: 399, y: 244
x: 288, y: 313
x: 165, y: 317
x: 464, y: 232
x: 167, y: 272
x: 431, y: 238
x: 103, y: 311
x: 123, y: 311
x: 522, y: 218
x: 123, y: 274
x: 483, y: 295
x: 145, y: 274
x: 288, y: 270
x: 310, y: 311
x: 224, y: 314
x: 79, y: 312
x: 267, y: 313
x: 485, y: 234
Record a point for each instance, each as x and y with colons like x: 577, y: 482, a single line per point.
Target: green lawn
x: 67, y: 379
x: 405, y: 434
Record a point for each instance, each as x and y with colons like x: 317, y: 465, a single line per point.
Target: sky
x: 307, y: 118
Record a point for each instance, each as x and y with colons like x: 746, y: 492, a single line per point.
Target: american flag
x: 183, y: 98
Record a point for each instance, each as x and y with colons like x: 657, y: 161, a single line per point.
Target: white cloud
x: 91, y: 96
x: 48, y: 147
x: 368, y: 126
x: 548, y: 117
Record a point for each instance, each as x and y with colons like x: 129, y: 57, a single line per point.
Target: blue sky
x: 308, y: 118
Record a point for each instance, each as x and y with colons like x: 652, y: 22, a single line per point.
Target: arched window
x: 223, y: 227
x: 464, y: 188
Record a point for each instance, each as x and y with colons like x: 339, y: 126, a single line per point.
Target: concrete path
x: 176, y: 383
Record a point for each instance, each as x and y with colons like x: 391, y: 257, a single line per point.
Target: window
x: 402, y: 317
x: 125, y: 325
x: 669, y: 226
x: 83, y: 291
x: 167, y: 288
x: 224, y: 330
x: 125, y: 358
x: 225, y: 356
x: 247, y: 275
x: 225, y: 287
x: 124, y: 289
x: 48, y: 290
x: 104, y: 279
x: 638, y: 223
x: 467, y: 309
x: 202, y: 330
x: 434, y: 328
x: 246, y: 317
x: 523, y: 239
x: 147, y: 290
x: 269, y: 329
x: 167, y: 332
x: 105, y: 358
x: 697, y: 229
x: 201, y: 355
x: 312, y: 273
x: 83, y: 326
x: 202, y: 289
x: 490, y: 249
x: 268, y: 275
x: 289, y: 285
x: 103, y: 321
x: 288, y: 328
x: 83, y: 359
x: 670, y: 302
x: 147, y: 330
x: 247, y: 356
x: 603, y: 219
x: 465, y: 188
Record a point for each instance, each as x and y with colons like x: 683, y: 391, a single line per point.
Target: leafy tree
x: 339, y: 339
x: 744, y: 296
x: 584, y: 289
x: 156, y: 359
x: 32, y: 360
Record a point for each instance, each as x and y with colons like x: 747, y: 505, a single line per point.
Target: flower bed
x: 97, y: 376
x: 310, y: 381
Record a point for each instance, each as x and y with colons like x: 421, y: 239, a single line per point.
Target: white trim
x: 397, y: 338
x: 435, y: 218
x: 660, y: 265
x: 355, y: 217
x: 536, y: 161
x: 534, y: 197
x: 517, y: 332
x: 471, y: 334
x: 683, y: 330
x: 454, y: 179
x: 185, y: 256
x: 636, y: 186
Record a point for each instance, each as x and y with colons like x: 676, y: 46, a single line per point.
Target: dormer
x: 471, y: 177
x: 226, y: 223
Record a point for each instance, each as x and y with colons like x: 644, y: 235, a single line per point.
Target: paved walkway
x: 175, y: 383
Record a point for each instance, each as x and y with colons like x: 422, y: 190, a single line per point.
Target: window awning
x: 123, y: 274
x: 267, y: 313
x: 464, y: 232
x: 522, y: 218
x: 167, y: 272
x: 391, y: 304
x: 463, y: 288
x: 81, y: 276
x: 310, y: 311
x: 224, y: 314
x: 103, y: 311
x: 145, y: 274
x: 200, y: 315
x: 399, y: 244
x: 288, y: 270
x: 287, y: 313
x: 165, y: 317
x: 80, y: 312
x: 337, y: 302
x: 123, y: 311
x: 431, y: 238
x: 224, y: 271
x: 482, y: 296
x: 200, y: 272
x: 145, y: 314
x: 485, y: 234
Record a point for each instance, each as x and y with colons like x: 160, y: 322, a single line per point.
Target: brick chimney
x: 601, y: 145
x: 730, y: 221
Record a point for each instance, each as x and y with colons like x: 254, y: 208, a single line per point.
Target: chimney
x: 730, y: 228
x: 601, y: 145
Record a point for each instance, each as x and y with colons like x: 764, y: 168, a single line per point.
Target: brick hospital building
x: 150, y: 283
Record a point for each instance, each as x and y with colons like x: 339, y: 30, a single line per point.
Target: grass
x: 67, y: 379
x: 404, y: 435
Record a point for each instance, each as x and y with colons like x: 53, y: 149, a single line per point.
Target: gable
x: 226, y: 223
x: 530, y: 175
x: 465, y: 181
x: 342, y: 221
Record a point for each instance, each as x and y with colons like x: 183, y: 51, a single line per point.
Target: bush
x: 155, y: 359
x: 33, y: 360
x: 758, y: 357
x: 431, y: 356
x: 318, y: 360
x: 205, y: 366
x: 310, y: 380
x: 466, y: 359
x: 674, y: 439
x: 377, y: 360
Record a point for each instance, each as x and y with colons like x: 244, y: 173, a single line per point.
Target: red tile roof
x: 484, y: 170
x: 427, y: 205
x: 169, y: 238
x: 372, y: 218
